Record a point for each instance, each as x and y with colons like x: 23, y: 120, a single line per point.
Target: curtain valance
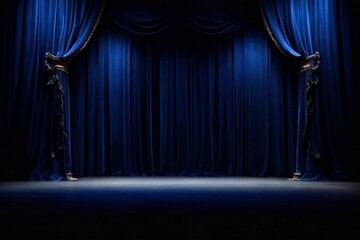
x: 206, y: 17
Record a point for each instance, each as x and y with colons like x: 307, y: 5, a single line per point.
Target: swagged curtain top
x: 206, y: 17
x: 292, y: 26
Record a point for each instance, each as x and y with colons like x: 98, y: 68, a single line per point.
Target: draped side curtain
x: 32, y: 137
x: 299, y: 29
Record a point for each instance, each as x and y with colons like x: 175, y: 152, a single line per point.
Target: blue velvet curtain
x: 178, y: 102
x: 192, y: 88
x: 300, y: 29
x: 37, y: 115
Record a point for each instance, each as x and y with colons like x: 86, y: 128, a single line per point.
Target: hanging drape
x: 177, y: 102
x: 193, y: 89
x: 44, y: 35
x: 303, y: 30
x: 73, y: 24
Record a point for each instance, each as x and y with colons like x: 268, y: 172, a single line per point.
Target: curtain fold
x: 181, y: 104
x: 302, y: 30
x: 140, y: 17
x: 73, y: 24
x: 194, y: 89
x: 38, y: 135
x: 205, y: 17
x: 216, y: 17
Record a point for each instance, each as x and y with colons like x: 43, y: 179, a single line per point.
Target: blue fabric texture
x: 61, y: 28
x: 300, y: 29
x: 195, y: 89
x: 180, y: 103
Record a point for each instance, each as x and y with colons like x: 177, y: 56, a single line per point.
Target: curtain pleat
x: 182, y: 104
x: 194, y: 89
x: 307, y: 30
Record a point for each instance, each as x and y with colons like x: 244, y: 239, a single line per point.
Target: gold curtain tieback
x: 312, y: 62
x: 53, y: 63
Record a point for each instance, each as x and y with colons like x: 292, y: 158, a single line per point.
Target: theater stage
x: 180, y: 208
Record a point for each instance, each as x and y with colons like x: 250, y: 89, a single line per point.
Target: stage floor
x: 181, y: 208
